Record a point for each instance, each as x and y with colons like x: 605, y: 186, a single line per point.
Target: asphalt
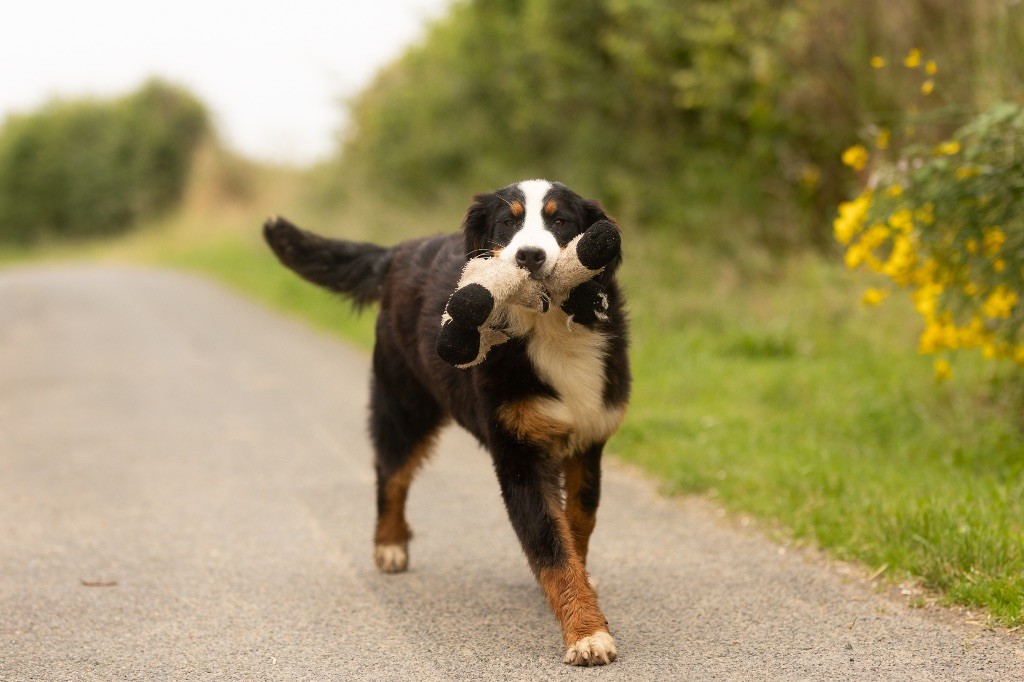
x: 186, y: 493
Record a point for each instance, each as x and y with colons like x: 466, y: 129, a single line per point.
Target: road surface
x: 186, y: 493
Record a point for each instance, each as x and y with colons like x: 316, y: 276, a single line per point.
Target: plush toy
x: 476, y: 315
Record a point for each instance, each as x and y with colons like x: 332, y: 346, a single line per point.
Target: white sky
x: 274, y: 74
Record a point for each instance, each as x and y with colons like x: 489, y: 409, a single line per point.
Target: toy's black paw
x: 599, y: 245
x: 458, y: 345
x: 471, y: 305
x: 587, y: 303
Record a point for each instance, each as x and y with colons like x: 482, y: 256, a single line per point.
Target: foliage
x: 663, y: 109
x: 89, y: 167
x: 947, y: 223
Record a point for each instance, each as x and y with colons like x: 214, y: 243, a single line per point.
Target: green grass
x: 782, y: 397
x: 768, y: 387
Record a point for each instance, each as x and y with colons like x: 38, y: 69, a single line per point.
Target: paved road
x: 210, y: 458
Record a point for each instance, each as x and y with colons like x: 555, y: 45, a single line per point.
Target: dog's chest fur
x: 570, y: 359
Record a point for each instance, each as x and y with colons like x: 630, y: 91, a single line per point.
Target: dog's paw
x: 391, y: 558
x: 597, y: 649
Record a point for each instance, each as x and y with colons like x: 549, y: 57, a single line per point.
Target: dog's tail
x: 351, y: 268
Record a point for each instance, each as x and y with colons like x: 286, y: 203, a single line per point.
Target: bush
x: 694, y: 115
x: 947, y: 222
x: 91, y: 167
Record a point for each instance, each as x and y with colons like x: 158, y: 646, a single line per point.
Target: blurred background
x: 723, y: 135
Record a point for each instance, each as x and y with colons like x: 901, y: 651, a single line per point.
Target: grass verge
x: 788, y: 400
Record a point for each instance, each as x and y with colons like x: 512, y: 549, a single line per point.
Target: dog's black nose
x: 531, y: 258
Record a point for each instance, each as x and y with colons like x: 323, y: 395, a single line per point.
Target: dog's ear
x: 592, y: 212
x: 476, y: 224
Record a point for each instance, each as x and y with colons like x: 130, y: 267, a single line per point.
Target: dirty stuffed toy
x: 476, y: 316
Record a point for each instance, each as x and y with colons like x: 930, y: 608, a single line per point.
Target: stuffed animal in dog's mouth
x: 475, y: 319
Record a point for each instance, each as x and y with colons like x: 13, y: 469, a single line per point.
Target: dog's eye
x: 510, y: 223
x: 558, y: 222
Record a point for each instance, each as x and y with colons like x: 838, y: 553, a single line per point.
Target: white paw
x: 597, y: 649
x: 391, y: 558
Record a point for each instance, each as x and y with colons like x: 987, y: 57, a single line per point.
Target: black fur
x: 585, y: 302
x: 345, y: 267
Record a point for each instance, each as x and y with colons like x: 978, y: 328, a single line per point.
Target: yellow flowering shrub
x: 946, y: 223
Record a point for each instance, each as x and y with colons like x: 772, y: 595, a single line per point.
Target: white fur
x: 391, y: 558
x: 533, y: 232
x: 597, y: 649
x: 570, y: 359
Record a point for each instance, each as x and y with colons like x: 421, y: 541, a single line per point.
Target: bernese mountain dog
x: 543, y: 403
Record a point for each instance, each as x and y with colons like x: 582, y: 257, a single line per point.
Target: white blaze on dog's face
x: 533, y: 244
x: 528, y: 224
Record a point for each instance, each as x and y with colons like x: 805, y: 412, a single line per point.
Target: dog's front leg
x: 529, y: 479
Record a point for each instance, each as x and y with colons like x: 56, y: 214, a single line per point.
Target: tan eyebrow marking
x: 551, y: 207
x: 517, y: 208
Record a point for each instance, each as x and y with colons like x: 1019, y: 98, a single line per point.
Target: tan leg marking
x: 391, y: 539
x: 523, y: 419
x: 584, y: 628
x: 581, y: 523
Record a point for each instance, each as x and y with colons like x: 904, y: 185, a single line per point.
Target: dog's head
x: 528, y: 223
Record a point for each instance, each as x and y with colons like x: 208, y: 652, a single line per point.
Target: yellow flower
x: 973, y: 334
x: 882, y: 138
x: 971, y: 245
x: 1018, y: 355
x: 948, y: 148
x: 913, y: 59
x: 999, y: 265
x: 856, y: 157
x: 928, y: 87
x: 999, y: 303
x: 971, y: 289
x: 895, y: 191
x: 931, y: 67
x: 930, y: 340
x: 943, y: 371
x: 851, y: 216
x: 938, y: 335
x: 926, y: 299
x: 875, y: 236
x: 901, y: 261
x: 993, y: 240
x: 874, y: 296
x: 902, y: 220
x: 878, y: 62
x: 854, y: 256
x: 965, y: 172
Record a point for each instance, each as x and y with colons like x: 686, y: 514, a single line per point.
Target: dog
x: 543, y: 403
